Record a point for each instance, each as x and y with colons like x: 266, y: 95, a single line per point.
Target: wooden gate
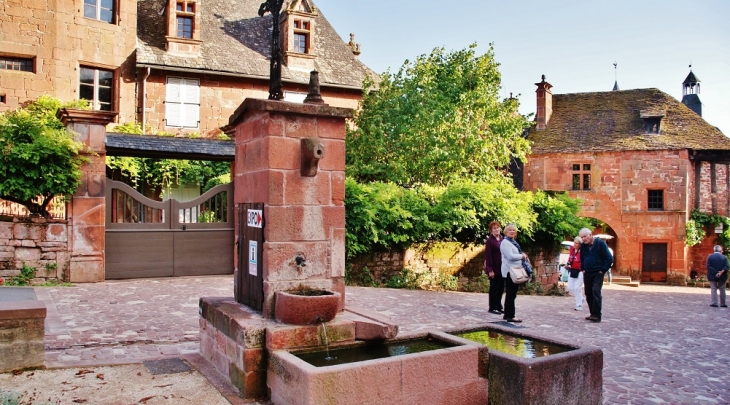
x: 654, y: 263
x: 148, y: 238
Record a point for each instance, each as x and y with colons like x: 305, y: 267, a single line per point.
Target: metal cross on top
x: 274, y: 7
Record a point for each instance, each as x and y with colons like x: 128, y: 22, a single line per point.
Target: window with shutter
x: 182, y: 102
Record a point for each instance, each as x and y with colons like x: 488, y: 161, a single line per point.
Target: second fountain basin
x: 524, y: 368
x: 447, y: 374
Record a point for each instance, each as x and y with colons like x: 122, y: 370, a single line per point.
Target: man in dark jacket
x: 595, y: 260
x: 717, y: 268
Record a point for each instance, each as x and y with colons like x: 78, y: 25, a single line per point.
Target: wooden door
x: 654, y: 263
x: 249, y: 283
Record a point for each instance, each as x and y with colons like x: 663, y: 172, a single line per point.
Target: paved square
x: 661, y: 345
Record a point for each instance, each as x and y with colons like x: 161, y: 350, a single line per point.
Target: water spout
x: 326, y: 341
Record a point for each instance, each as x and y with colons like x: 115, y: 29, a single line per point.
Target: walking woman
x: 575, y: 279
x: 493, y: 268
x: 511, y: 256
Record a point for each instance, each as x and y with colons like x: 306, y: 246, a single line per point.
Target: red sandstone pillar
x: 86, y: 212
x: 302, y: 214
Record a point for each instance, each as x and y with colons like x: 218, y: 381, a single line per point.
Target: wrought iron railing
x: 56, y: 208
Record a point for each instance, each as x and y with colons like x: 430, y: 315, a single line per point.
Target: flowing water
x: 326, y: 343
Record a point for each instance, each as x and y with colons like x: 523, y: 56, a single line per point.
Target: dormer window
x: 298, y: 42
x: 185, y: 14
x: 652, y: 122
x: 301, y: 36
x: 183, y: 27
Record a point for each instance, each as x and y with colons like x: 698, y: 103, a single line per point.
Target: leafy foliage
x: 383, y: 216
x: 556, y: 218
x: 361, y: 278
x: 166, y: 172
x: 698, y: 221
x: 408, y: 279
x: 27, y: 273
x: 39, y: 157
x: 480, y: 284
x: 436, y: 120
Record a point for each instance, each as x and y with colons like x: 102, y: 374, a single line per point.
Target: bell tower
x: 691, y: 91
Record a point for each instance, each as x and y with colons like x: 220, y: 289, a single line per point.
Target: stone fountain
x: 289, y: 289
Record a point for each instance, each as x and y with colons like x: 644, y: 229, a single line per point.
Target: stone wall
x: 21, y: 335
x: 57, y: 36
x: 465, y: 261
x: 35, y: 242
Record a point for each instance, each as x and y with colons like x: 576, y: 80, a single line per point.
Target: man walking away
x: 717, y: 268
x: 595, y: 260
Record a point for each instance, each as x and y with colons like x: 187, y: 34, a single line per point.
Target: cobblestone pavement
x: 661, y: 345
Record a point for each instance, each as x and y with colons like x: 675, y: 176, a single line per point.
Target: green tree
x: 436, y: 120
x: 557, y: 219
x: 39, y: 158
x: 166, y: 172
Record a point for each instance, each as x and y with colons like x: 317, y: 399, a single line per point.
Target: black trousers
x: 593, y: 283
x: 496, y: 289
x: 509, y: 297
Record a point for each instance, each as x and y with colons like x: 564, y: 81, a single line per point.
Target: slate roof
x: 169, y: 147
x: 611, y: 121
x: 691, y: 78
x: 235, y: 40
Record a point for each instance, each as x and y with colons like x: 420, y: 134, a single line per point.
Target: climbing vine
x: 699, y: 221
x: 167, y: 172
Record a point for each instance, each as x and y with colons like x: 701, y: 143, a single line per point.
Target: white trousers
x: 575, y: 287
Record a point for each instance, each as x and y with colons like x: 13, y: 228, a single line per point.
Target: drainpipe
x: 144, y: 98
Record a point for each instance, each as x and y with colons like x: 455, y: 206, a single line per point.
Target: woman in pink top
x: 575, y: 279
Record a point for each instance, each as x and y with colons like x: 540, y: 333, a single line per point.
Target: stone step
x: 620, y: 279
x: 631, y: 284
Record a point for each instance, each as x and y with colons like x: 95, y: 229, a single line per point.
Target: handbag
x: 518, y: 274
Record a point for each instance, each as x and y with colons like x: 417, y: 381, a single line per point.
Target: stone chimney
x: 544, y: 103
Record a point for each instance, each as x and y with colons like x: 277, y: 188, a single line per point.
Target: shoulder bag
x: 518, y: 274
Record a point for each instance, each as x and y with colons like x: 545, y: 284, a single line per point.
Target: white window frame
x: 182, y: 102
x: 97, y: 6
x: 95, y: 102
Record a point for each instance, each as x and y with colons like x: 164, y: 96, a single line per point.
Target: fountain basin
x: 446, y: 375
x: 568, y: 375
x: 296, y: 308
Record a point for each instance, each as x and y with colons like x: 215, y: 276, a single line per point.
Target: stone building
x: 179, y: 66
x: 640, y: 161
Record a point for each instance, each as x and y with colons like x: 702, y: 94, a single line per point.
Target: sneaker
x: 579, y: 308
x: 495, y: 311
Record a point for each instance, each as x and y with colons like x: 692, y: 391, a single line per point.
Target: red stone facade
x: 59, y: 39
x: 640, y: 161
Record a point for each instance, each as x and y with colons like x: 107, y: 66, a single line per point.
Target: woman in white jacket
x: 511, y: 257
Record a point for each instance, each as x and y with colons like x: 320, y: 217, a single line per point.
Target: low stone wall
x: 21, y: 335
x: 453, y: 258
x: 35, y: 242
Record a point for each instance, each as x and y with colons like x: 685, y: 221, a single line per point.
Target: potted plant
x: 702, y: 281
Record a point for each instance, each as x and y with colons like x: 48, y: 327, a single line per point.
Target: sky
x: 574, y: 43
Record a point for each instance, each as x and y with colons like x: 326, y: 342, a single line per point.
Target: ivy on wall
x: 695, y: 230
